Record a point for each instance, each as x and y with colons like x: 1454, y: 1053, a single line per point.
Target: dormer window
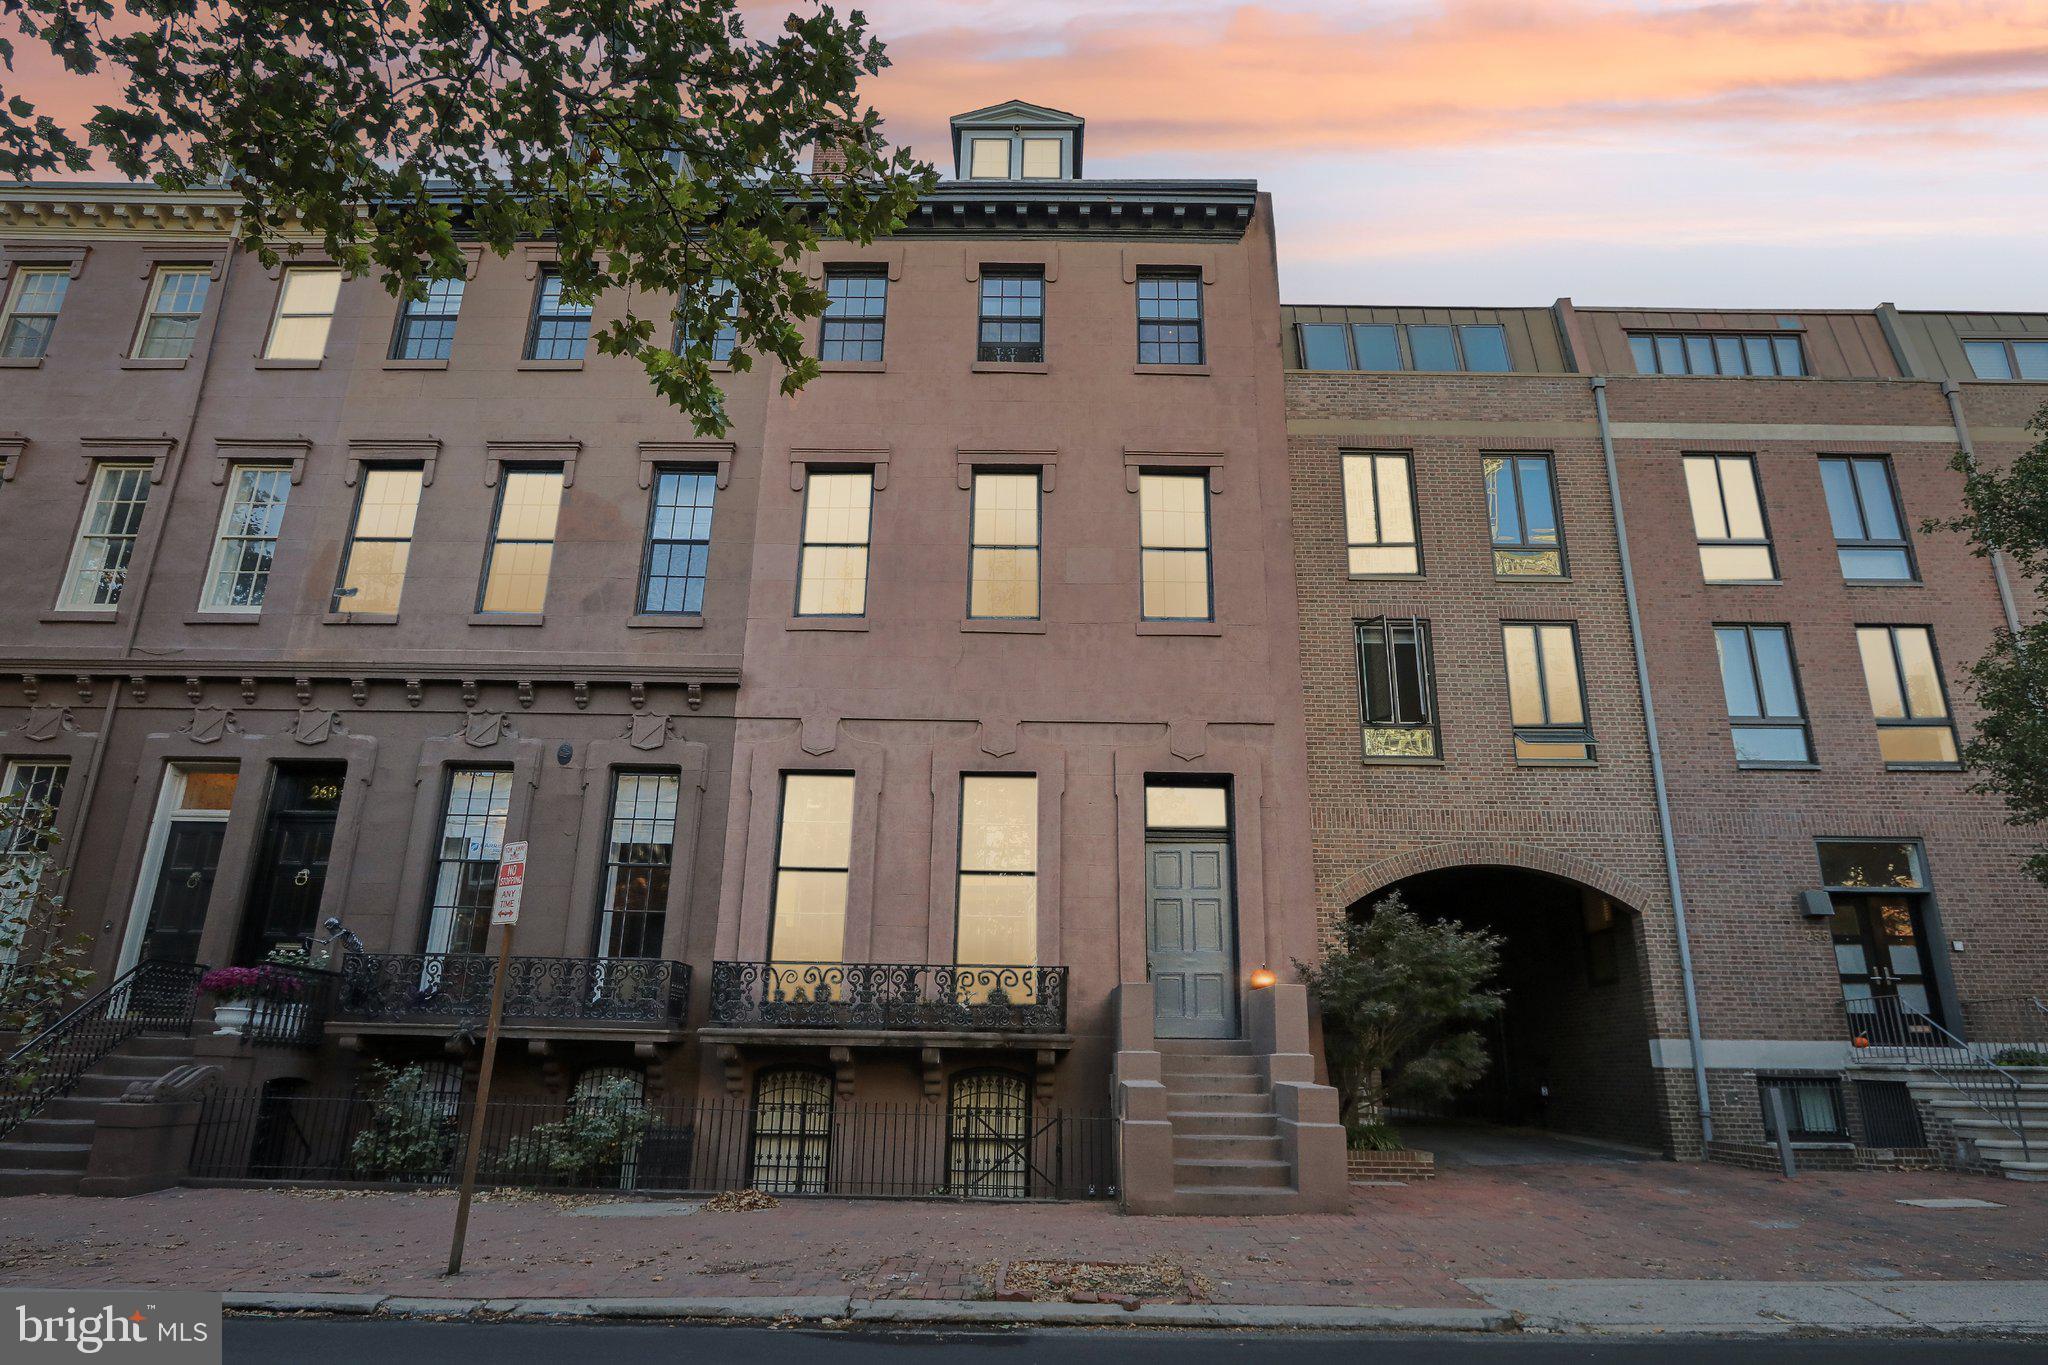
x: 1017, y: 141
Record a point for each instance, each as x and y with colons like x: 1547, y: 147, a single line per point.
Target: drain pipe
x: 1635, y: 633
x: 1953, y: 392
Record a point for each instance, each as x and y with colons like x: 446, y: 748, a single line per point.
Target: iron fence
x: 296, y: 1016
x: 426, y: 987
x: 889, y: 995
x: 1885, y: 1027
x: 866, y: 1151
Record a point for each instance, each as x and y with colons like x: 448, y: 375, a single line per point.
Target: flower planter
x: 231, y: 1018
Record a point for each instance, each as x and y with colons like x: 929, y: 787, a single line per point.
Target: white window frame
x: 170, y: 805
x: 19, y: 286
x: 283, y: 314
x: 103, y: 474
x: 12, y: 784
x: 158, y: 279
x: 222, y: 537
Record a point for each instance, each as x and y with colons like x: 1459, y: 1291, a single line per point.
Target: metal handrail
x: 150, y: 997
x: 1971, y: 1073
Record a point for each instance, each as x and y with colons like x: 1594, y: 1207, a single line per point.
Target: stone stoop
x: 1990, y: 1140
x: 1228, y: 1155
x: 48, y: 1154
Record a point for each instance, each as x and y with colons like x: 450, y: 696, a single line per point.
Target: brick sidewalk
x: 1398, y: 1247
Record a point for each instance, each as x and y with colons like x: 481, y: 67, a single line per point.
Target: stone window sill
x: 1179, y: 628
x: 852, y: 366
x: 83, y: 618
x: 263, y: 364
x: 359, y: 618
x: 415, y: 364
x: 828, y: 623
x: 1198, y: 370
x: 996, y: 625
x: 664, y: 621
x: 21, y: 362
x: 1010, y: 367
x: 1882, y: 583
x: 550, y: 364
x: 225, y: 618
x: 138, y: 363
x: 507, y: 618
x: 1392, y: 761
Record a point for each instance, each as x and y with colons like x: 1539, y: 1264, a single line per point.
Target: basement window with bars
x: 1813, y: 1108
x: 1396, y: 689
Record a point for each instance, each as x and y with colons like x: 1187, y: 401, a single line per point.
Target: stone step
x: 1240, y: 1047
x: 73, y: 1106
x: 1212, y: 1083
x: 1198, y: 1123
x: 1214, y: 1102
x: 1211, y: 1064
x: 1238, y: 1201
x: 1195, y: 1173
x: 1225, y: 1147
x: 45, y: 1127
x: 159, y: 1045
x: 16, y: 1181
x: 102, y: 1087
x: 43, y: 1156
x: 134, y: 1068
x: 2035, y: 1172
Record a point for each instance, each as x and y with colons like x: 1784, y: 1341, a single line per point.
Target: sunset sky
x: 1831, y: 153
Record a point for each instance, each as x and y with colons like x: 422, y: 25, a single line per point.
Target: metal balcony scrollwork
x: 430, y: 987
x: 877, y: 995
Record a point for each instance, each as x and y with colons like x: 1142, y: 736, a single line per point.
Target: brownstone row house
x: 1795, y: 863
x: 930, y: 787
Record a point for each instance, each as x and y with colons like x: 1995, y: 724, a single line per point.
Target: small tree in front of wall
x: 1399, y: 994
x: 410, y: 1134
x: 42, y: 974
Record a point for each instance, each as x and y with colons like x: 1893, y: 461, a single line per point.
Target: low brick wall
x: 1363, y: 1164
x: 1764, y: 1157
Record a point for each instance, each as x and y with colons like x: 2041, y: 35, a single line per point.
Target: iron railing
x: 874, y: 995
x: 297, y: 1015
x: 405, y: 988
x: 2012, y: 1026
x: 1885, y: 1027
x: 864, y: 1151
x: 150, y: 997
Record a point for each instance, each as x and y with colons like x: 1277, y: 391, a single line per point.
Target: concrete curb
x: 892, y: 1311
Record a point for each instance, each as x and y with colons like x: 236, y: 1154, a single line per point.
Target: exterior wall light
x: 1263, y: 978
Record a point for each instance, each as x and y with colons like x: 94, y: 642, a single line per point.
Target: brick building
x: 1477, y: 737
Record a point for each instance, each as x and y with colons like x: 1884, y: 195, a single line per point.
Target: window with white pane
x: 1173, y: 537
x: 98, y: 571
x: 522, y: 551
x: 561, y: 326
x: 170, y: 326
x: 678, y: 542
x: 1728, y: 519
x: 305, y: 310
x: 33, y: 302
x: 1003, y: 572
x: 426, y: 325
x: 1379, y: 515
x: 1761, y: 685
x: 2008, y: 359
x: 640, y: 850
x: 466, y: 859
x: 245, y: 545
x: 1870, y: 529
x: 832, y: 567
x: 30, y: 792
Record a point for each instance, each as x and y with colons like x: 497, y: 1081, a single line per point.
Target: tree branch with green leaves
x: 660, y: 146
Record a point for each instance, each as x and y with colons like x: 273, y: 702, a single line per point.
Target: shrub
x: 411, y: 1133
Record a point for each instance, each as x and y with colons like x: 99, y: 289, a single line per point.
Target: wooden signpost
x: 504, y: 912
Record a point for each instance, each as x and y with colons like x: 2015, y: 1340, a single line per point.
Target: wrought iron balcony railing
x: 404, y: 988
x: 879, y: 995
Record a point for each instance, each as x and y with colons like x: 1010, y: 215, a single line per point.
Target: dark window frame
x: 1652, y: 343
x: 1800, y: 722
x: 1000, y: 352
x: 777, y: 867
x: 337, y: 604
x: 804, y: 1135
x: 1424, y: 645
x: 725, y: 340
x: 1904, y: 540
x: 409, y: 331
x: 650, y: 541
x: 1945, y: 721
x: 1009, y: 1177
x: 851, y: 344
x: 1155, y: 275
x: 1208, y: 550
x: 2009, y: 345
x: 609, y: 865
x: 1407, y: 458
x: 1037, y: 548
x: 1523, y: 545
x: 438, y: 859
x: 1763, y: 511
x: 1404, y: 350
x: 493, y: 540
x: 1830, y: 1085
x: 564, y: 314
x: 1549, y: 731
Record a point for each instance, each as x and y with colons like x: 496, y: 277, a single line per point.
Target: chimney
x: 828, y: 157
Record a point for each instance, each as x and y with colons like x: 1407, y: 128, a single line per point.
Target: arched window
x: 611, y: 1085
x: 792, y: 1131
x: 988, y: 1135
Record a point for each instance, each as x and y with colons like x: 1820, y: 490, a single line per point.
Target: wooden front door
x: 184, y: 884
x: 1191, y: 938
x: 291, y: 865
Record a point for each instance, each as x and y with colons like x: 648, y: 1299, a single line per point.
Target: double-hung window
x: 380, y: 541
x: 170, y: 325
x: 1761, y: 684
x: 466, y: 861
x: 721, y: 298
x: 30, y: 792
x: 1170, y: 318
x: 98, y: 571
x: 1546, y: 698
x: 678, y: 542
x: 1907, y: 698
x: 246, y: 543
x: 1003, y: 554
x: 832, y: 563
x: 32, y: 306
x: 1728, y: 519
x: 1173, y: 538
x: 2006, y: 359
x: 856, y: 314
x: 1870, y: 530
x: 1396, y: 688
x: 639, y: 852
x: 1521, y: 510
x: 305, y: 310
x: 813, y: 868
x: 560, y: 327
x: 1379, y: 515
x: 1012, y: 316
x: 997, y: 917
x: 522, y: 549
x: 426, y: 325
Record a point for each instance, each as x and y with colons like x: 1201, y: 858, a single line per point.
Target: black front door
x: 1887, y: 975
x: 1190, y: 938
x: 184, y: 883
x: 291, y: 865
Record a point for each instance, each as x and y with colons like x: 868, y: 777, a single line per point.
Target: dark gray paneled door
x: 1191, y: 938
x: 184, y: 884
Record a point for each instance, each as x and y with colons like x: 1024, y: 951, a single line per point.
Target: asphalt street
x: 343, y: 1341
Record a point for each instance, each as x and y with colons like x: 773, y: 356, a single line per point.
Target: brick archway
x: 1491, y: 853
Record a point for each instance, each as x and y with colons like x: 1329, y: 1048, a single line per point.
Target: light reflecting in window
x: 305, y: 311
x: 523, y: 541
x: 1379, y: 514
x: 1728, y: 519
x: 1907, y: 697
x: 246, y: 543
x: 1004, y: 552
x: 1521, y: 507
x: 1546, y: 702
x: 832, y: 570
x: 1762, y: 691
x: 1174, y: 806
x: 98, y: 573
x: 997, y: 921
x: 1173, y: 513
x: 812, y: 861
x: 373, y: 565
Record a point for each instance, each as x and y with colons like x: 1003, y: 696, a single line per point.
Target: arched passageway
x: 1570, y: 1049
